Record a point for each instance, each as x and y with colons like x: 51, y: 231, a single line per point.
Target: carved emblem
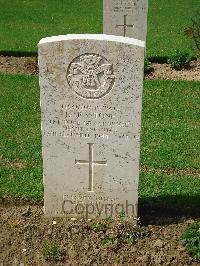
x: 90, y: 76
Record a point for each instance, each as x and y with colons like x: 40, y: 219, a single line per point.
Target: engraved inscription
x: 91, y: 163
x: 89, y: 121
x: 124, y: 5
x: 91, y: 76
x: 125, y: 25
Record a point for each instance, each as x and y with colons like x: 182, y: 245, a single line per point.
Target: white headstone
x: 91, y: 94
x: 126, y: 18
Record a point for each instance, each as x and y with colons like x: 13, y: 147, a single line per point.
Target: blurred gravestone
x: 126, y: 18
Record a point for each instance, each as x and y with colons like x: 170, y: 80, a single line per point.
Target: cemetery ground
x: 169, y: 188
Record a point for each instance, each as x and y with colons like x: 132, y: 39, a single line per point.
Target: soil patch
x: 14, y: 164
x: 164, y: 71
x: 19, y: 65
x: 172, y: 171
x: 24, y: 231
x: 29, y: 66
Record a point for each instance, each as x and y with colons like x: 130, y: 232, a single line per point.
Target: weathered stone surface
x: 91, y: 93
x: 132, y: 13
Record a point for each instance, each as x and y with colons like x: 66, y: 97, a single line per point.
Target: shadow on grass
x: 162, y: 210
x: 18, y: 53
x: 168, y: 209
x: 9, y: 201
x: 152, y: 59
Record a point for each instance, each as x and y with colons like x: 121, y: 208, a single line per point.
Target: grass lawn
x: 24, y: 23
x: 21, y: 164
x: 170, y: 153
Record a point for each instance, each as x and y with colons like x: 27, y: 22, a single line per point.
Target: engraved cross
x: 91, y: 164
x: 125, y: 26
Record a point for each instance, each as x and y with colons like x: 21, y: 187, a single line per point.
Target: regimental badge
x: 91, y: 76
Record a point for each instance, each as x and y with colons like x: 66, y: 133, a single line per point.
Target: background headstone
x: 91, y: 94
x: 126, y: 18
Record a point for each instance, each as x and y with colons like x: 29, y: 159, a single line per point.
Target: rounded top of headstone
x: 98, y: 37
